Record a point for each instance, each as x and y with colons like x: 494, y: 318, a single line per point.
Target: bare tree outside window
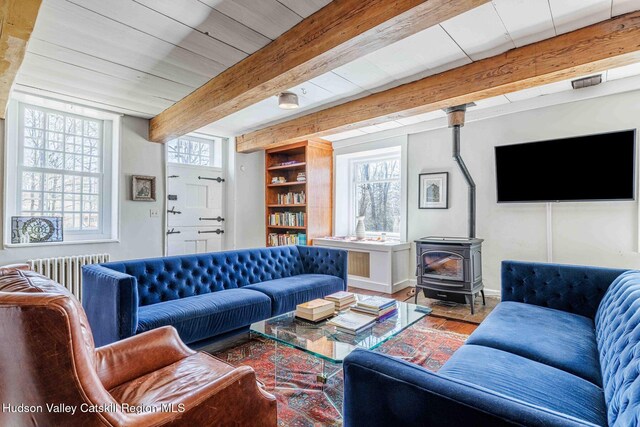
x: 61, y: 169
x: 377, y: 194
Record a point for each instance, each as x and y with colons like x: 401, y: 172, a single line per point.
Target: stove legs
x: 471, y: 299
x: 450, y: 297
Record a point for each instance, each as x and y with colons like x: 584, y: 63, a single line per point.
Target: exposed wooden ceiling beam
x: 335, y: 35
x: 17, y: 19
x: 605, y: 45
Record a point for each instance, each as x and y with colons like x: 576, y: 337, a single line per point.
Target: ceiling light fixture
x: 587, y: 81
x: 288, y: 101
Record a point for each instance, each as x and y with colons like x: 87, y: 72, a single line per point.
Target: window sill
x: 71, y: 242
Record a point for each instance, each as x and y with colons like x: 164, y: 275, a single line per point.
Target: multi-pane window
x: 189, y: 150
x: 376, y: 193
x: 60, y: 162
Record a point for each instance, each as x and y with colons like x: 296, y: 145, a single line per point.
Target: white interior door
x: 195, y: 219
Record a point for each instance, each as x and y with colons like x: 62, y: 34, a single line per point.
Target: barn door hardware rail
x: 211, y: 231
x: 173, y: 176
x: 173, y: 231
x: 218, y: 218
x: 173, y: 211
x: 218, y: 179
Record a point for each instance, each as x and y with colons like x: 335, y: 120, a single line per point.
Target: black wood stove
x: 450, y: 269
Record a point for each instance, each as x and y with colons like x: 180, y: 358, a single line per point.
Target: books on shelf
x: 379, y: 307
x: 292, y: 198
x: 315, y: 310
x: 302, y: 177
x: 277, y: 239
x: 291, y: 219
x: 352, y: 323
x: 342, y: 299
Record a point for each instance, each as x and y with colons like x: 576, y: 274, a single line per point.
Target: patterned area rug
x: 419, y: 344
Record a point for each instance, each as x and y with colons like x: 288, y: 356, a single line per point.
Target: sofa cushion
x: 618, y: 336
x: 204, y: 316
x: 286, y: 293
x: 563, y: 340
x: 528, y: 381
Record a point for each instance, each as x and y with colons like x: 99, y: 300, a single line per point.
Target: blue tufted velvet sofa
x: 561, y: 349
x: 209, y: 295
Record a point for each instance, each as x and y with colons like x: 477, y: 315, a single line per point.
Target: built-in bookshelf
x: 298, y: 193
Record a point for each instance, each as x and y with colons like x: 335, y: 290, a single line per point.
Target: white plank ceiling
x: 140, y: 56
x: 480, y: 33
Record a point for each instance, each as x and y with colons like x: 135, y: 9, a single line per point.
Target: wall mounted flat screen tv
x: 584, y: 168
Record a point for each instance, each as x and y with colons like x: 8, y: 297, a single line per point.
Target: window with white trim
x: 63, y: 168
x: 195, y: 151
x: 376, y: 192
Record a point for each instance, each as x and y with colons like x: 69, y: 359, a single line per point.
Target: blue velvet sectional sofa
x: 562, y: 349
x: 207, y: 296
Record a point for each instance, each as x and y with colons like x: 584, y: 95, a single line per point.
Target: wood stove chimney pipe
x: 456, y: 121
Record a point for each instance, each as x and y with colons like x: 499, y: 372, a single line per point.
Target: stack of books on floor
x: 352, y: 323
x: 380, y: 307
x: 315, y: 310
x: 342, y: 299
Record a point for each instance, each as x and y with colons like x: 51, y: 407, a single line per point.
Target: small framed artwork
x: 36, y: 229
x: 433, y: 191
x: 143, y: 188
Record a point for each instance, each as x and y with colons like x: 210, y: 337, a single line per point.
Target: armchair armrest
x: 380, y: 390
x: 317, y: 260
x: 139, y: 355
x: 110, y: 300
x: 12, y: 267
x: 572, y: 288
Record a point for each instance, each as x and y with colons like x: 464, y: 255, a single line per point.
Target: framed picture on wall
x: 143, y: 188
x: 433, y: 191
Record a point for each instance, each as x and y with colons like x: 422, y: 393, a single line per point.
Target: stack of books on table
x: 352, y: 323
x: 342, y: 299
x: 380, y: 307
x: 315, y: 310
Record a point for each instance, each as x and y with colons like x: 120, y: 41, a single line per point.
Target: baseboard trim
x: 401, y: 285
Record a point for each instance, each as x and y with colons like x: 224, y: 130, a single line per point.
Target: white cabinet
x: 373, y: 265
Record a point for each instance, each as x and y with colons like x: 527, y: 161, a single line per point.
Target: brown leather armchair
x: 47, y: 357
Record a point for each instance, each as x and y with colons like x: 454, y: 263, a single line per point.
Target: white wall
x: 246, y: 204
x: 596, y: 233
x: 140, y: 235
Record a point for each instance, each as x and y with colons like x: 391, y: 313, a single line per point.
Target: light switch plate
x: 154, y: 213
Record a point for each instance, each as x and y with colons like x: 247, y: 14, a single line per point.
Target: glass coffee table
x: 327, y: 346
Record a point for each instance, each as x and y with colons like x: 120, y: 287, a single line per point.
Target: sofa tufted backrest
x: 573, y: 288
x: 618, y: 335
x: 169, y: 278
x: 319, y: 260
